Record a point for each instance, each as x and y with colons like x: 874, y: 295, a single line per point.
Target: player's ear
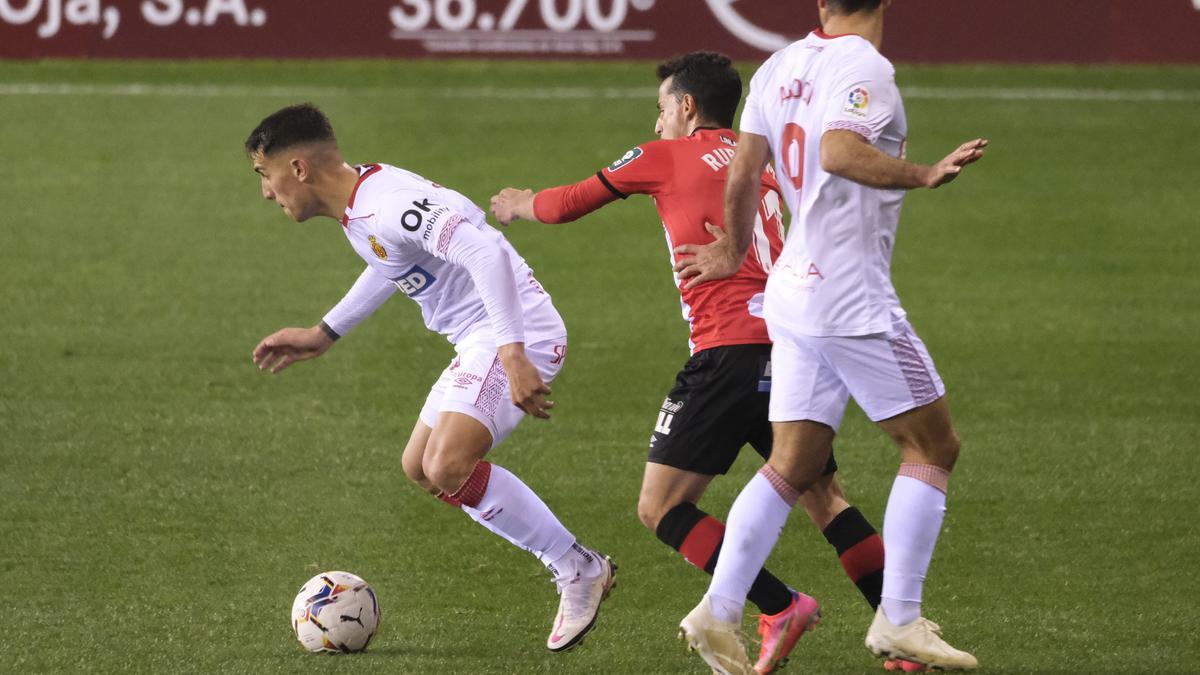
x: 688, y: 103
x: 300, y: 168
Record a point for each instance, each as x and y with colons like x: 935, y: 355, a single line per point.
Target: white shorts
x: 886, y: 373
x: 475, y: 384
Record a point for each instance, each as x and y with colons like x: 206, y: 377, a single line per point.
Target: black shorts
x: 719, y: 404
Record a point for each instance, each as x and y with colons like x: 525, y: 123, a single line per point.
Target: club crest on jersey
x: 377, y: 247
x: 857, y: 102
x: 415, y: 281
x: 625, y: 159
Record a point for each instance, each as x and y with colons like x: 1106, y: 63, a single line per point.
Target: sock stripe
x: 933, y: 476
x: 847, y: 529
x: 785, y: 491
x: 860, y: 551
x: 863, y: 558
x: 704, y: 549
x: 702, y: 542
x: 472, y: 491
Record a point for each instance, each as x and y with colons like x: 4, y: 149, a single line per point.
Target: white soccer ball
x: 335, y: 612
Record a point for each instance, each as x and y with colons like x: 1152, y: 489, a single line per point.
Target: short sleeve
x: 864, y: 99
x: 643, y: 170
x: 752, y: 121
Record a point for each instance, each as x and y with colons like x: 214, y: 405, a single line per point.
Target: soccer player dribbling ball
x: 719, y: 401
x: 827, y: 110
x: 435, y: 246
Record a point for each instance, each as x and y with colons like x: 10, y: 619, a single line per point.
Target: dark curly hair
x: 710, y: 78
x: 852, y: 6
x: 293, y: 125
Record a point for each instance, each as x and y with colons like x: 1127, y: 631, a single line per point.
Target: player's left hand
x: 701, y: 263
x: 512, y: 204
x: 528, y: 390
x: 951, y: 165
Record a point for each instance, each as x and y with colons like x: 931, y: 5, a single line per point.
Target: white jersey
x: 834, y: 275
x: 435, y: 246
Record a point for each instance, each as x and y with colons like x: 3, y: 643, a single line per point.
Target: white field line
x: 549, y: 93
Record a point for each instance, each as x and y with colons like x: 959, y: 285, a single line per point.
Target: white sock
x: 755, y: 522
x: 576, y: 562
x: 911, y: 525
x: 513, y: 511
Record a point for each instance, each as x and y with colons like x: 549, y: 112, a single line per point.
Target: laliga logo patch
x: 857, y: 103
x: 625, y: 159
x: 377, y: 248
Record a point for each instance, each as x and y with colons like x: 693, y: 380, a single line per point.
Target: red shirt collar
x: 826, y: 36
x: 364, y: 172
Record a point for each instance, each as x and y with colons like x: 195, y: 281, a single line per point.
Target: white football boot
x: 579, y: 604
x: 719, y: 643
x: 918, y: 642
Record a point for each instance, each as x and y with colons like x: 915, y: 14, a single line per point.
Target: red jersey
x: 686, y: 178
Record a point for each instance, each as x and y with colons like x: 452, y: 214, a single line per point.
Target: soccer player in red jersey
x: 720, y: 398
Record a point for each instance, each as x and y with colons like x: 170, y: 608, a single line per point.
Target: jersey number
x: 663, y: 425
x: 792, y: 145
x: 770, y: 214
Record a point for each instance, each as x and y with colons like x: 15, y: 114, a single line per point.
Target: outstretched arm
x: 285, y: 347
x: 723, y: 257
x: 560, y: 204
x: 850, y: 156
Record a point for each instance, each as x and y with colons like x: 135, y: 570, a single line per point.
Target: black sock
x: 860, y: 550
x: 698, y: 537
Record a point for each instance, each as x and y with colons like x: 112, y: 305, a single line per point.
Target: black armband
x: 329, y: 332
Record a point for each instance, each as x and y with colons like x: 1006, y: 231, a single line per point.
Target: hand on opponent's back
x: 707, y: 262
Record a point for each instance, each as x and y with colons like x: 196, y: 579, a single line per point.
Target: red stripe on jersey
x: 371, y: 169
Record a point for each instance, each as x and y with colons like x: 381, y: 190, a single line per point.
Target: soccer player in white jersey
x: 828, y: 110
x: 436, y: 247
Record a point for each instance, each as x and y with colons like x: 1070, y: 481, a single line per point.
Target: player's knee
x: 948, y: 451
x: 650, y: 512
x: 446, y: 471
x: 411, y: 462
x: 942, y: 451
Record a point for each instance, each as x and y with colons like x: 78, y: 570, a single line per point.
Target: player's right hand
x: 528, y: 390
x: 285, y: 347
x: 709, y: 262
x: 512, y: 204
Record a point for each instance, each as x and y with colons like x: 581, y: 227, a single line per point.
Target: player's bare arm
x: 723, y: 257
x: 513, y: 204
x: 850, y: 156
x: 529, y: 392
x: 285, y: 347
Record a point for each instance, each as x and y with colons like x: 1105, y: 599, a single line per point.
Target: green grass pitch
x: 161, y: 500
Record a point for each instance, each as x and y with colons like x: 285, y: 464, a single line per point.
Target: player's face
x: 281, y: 184
x: 672, y: 123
